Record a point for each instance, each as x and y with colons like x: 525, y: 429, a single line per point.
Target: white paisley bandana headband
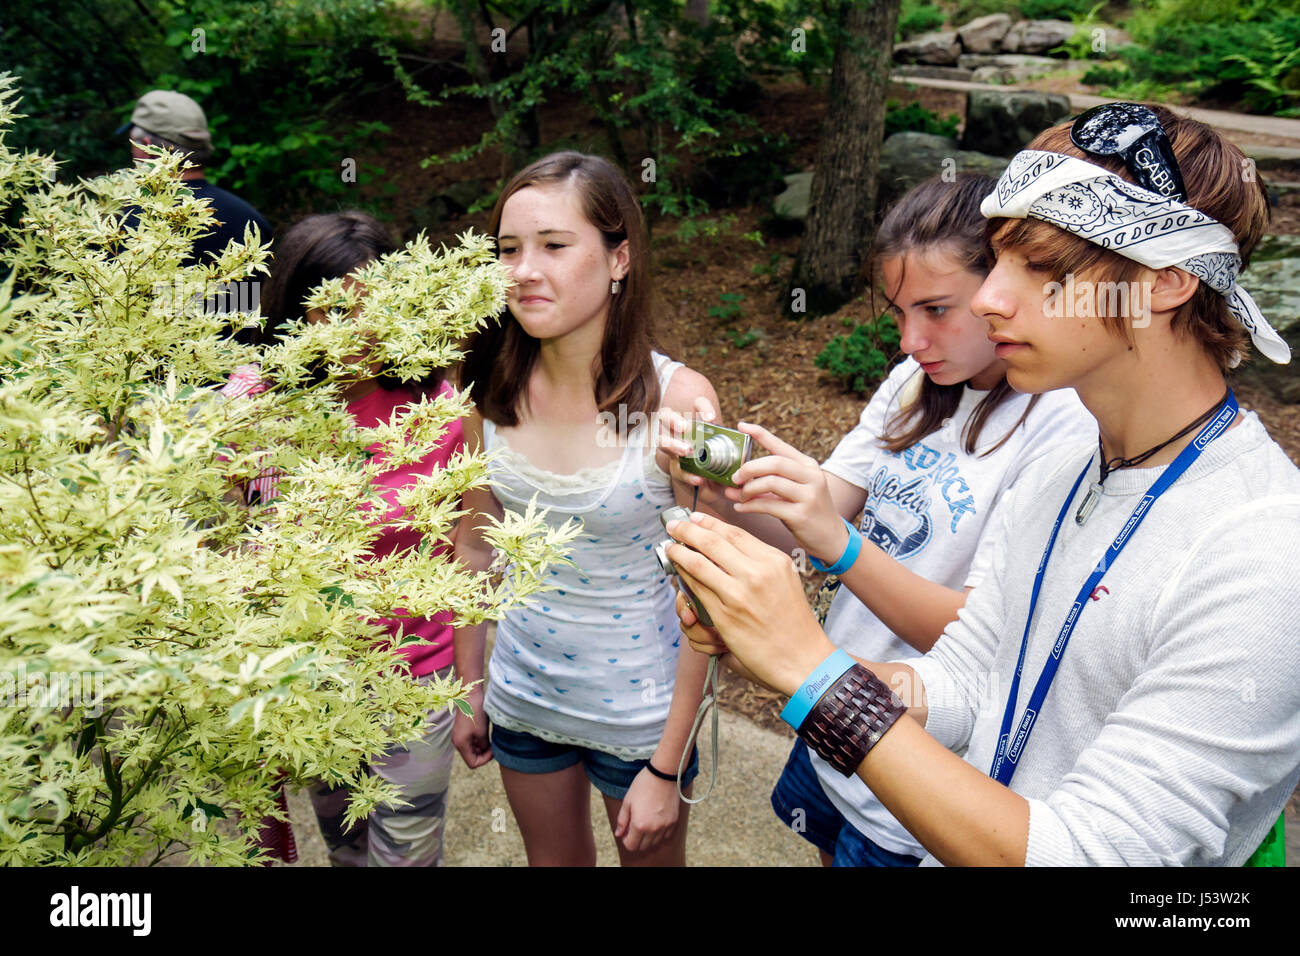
x: 1095, y: 204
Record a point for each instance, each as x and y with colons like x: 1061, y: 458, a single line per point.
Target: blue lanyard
x: 1005, y: 760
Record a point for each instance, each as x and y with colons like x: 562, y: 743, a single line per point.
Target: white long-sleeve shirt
x: 931, y: 507
x: 1171, y: 734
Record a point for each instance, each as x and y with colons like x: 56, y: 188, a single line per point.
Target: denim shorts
x: 802, y: 805
x: 611, y: 775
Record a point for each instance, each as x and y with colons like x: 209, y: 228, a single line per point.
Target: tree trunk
x: 522, y: 138
x: 828, y: 269
x: 698, y: 10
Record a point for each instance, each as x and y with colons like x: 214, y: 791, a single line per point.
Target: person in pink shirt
x: 318, y: 248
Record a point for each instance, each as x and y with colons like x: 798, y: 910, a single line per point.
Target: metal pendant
x: 1090, y: 502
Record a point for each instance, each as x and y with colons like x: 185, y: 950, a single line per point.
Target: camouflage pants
x: 396, y: 836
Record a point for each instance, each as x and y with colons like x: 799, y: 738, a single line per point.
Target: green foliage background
x: 1231, y: 52
x: 860, y: 359
x: 282, y: 82
x: 660, y: 86
x: 286, y: 83
x: 275, y: 80
x: 1222, y: 49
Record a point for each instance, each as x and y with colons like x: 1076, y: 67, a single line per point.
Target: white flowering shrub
x: 167, y: 652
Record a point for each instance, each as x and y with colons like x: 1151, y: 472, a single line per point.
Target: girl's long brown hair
x: 315, y: 249
x: 326, y: 246
x: 499, y: 358
x: 944, y: 216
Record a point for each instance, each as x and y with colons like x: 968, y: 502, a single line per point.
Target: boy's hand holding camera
x: 755, y: 599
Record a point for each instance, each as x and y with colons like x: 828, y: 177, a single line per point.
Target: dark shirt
x: 232, y: 213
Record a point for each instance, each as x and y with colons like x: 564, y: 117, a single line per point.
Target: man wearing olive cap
x: 174, y: 121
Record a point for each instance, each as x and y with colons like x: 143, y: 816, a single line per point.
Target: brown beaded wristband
x: 850, y: 717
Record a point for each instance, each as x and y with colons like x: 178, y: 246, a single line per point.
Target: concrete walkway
x: 1219, y: 119
x: 735, y: 826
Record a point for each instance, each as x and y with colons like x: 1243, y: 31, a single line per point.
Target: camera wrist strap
x: 710, y: 702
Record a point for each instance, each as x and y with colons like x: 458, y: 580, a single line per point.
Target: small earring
x: 614, y: 287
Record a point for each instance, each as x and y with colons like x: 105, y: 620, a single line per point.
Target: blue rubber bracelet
x: 851, y: 552
x: 811, y: 690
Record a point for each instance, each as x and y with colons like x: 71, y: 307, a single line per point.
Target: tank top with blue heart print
x: 592, y: 662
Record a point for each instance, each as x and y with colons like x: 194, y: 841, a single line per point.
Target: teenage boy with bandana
x: 1141, y: 614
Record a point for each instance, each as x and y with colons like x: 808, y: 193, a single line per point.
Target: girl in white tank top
x: 592, y: 663
x: 589, y: 681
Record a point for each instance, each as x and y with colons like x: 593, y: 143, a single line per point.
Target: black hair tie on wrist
x: 659, y: 773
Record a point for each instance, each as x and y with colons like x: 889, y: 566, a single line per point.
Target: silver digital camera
x: 678, y: 513
x: 719, y: 451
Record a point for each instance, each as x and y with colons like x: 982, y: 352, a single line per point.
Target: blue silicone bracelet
x: 811, y: 690
x: 851, y: 552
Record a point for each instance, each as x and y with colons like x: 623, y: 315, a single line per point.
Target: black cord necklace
x: 1093, y: 497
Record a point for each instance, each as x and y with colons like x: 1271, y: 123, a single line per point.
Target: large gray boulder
x: 929, y: 72
x: 984, y: 34
x: 1001, y: 122
x: 1273, y: 157
x: 793, y: 203
x: 905, y: 160
x: 973, y: 61
x: 939, y: 48
x: 1008, y: 75
x: 1273, y: 281
x: 1037, y: 36
x: 1011, y: 75
x: 909, y: 158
